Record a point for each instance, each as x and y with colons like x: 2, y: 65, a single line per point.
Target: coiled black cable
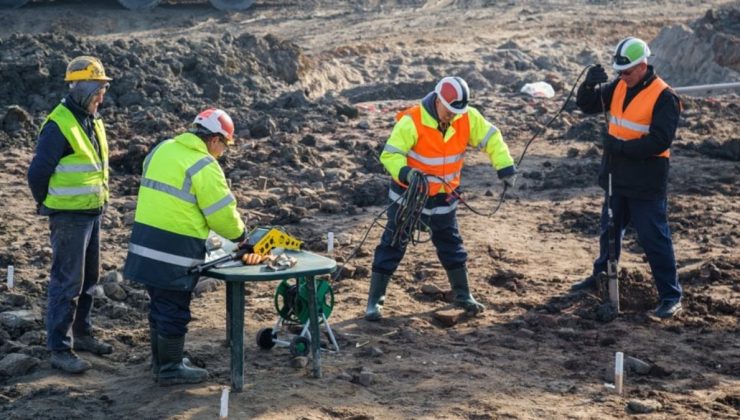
x: 410, y: 208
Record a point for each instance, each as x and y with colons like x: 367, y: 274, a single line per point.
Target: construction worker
x: 644, y: 114
x: 183, y: 195
x: 68, y: 177
x: 429, y: 140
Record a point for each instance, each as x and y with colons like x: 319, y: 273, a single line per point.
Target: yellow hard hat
x: 85, y: 67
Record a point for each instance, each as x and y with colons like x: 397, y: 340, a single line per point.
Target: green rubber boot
x: 459, y: 283
x: 153, y: 341
x: 172, y: 370
x: 376, y: 296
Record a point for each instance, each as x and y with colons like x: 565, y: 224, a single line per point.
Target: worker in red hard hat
x: 183, y: 196
x: 429, y: 142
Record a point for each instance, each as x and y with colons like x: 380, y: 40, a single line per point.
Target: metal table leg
x: 235, y: 296
x: 228, y: 313
x: 314, y: 327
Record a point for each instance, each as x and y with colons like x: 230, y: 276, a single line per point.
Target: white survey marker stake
x: 11, y: 280
x: 224, y: 412
x: 619, y: 372
x: 330, y: 242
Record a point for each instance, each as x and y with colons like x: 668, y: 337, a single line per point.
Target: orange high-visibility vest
x: 439, y: 160
x: 634, y: 121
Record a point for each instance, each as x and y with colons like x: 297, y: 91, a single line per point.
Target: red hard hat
x: 217, y: 121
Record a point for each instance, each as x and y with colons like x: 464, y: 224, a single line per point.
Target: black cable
x: 408, y: 217
x: 411, y: 203
x: 410, y: 208
x: 521, y: 157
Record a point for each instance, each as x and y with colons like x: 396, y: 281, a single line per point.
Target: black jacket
x: 637, y: 172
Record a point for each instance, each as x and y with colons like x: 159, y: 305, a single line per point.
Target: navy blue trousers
x: 169, y: 311
x: 75, y: 269
x: 650, y: 220
x: 445, y: 237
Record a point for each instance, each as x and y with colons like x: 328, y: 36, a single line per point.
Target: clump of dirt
x: 713, y: 42
x: 584, y: 222
x: 566, y: 175
x: 636, y: 291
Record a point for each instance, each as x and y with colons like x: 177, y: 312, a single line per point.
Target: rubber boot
x: 376, y: 296
x: 459, y: 283
x: 155, y: 362
x: 172, y: 370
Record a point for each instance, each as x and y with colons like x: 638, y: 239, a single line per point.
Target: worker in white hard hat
x: 643, y: 118
x: 430, y: 140
x: 68, y: 177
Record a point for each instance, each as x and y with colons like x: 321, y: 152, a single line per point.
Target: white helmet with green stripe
x: 629, y: 53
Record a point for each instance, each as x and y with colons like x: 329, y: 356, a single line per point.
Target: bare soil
x: 313, y: 87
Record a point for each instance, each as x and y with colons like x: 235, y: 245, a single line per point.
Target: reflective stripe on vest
x: 80, y: 180
x: 442, y: 161
x: 633, y: 122
x: 398, y: 199
x: 489, y: 134
x: 164, y: 257
x: 184, y: 192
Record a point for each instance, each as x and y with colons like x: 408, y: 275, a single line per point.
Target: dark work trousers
x: 445, y: 237
x: 75, y: 269
x: 650, y: 220
x: 169, y: 311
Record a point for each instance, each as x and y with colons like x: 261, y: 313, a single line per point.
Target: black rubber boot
x: 376, y: 296
x: 459, y: 283
x: 155, y: 363
x: 172, y: 370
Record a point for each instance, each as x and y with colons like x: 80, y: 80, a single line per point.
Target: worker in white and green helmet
x: 643, y: 118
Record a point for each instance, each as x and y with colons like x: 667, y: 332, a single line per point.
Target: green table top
x: 309, y: 264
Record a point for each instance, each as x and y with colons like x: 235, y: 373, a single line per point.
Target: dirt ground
x: 313, y: 87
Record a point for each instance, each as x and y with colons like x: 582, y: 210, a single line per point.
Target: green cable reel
x: 291, y: 300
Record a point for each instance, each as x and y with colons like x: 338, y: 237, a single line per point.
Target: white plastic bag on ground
x: 538, y: 90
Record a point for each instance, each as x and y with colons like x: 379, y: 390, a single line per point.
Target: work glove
x: 410, y: 175
x: 596, y: 75
x: 612, y: 144
x: 509, y: 180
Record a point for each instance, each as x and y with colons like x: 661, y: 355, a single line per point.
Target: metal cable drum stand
x: 292, y: 305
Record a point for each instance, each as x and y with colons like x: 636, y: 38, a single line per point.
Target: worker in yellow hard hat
x: 68, y: 177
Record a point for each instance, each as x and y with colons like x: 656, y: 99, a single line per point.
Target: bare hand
x: 253, y: 259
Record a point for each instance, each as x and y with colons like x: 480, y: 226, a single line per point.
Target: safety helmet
x: 454, y: 94
x: 216, y: 121
x: 85, y: 67
x: 629, y: 53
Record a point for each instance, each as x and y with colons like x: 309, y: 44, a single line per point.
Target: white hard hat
x: 629, y: 53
